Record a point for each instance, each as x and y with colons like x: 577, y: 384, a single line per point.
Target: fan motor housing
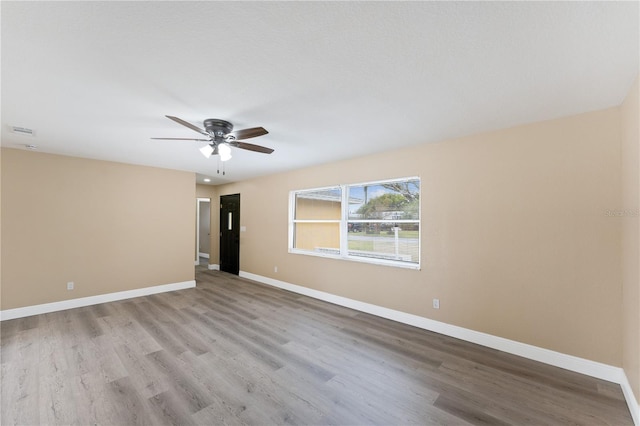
x: 217, y: 127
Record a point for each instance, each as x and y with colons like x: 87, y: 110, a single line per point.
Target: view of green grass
x: 409, y: 234
x: 384, y: 243
x: 361, y: 245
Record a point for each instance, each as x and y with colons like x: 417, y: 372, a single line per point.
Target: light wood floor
x: 232, y: 351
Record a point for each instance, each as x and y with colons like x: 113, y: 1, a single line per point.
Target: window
x: 317, y: 220
x: 376, y: 222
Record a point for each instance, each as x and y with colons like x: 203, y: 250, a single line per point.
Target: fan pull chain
x: 223, y: 173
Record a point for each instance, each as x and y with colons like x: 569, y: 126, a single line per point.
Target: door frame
x: 198, y: 201
x: 224, y: 266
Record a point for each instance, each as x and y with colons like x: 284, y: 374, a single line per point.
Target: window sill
x: 359, y: 259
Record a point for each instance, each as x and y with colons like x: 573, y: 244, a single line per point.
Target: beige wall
x: 106, y: 226
x: 515, y: 239
x: 630, y: 238
x: 205, y: 191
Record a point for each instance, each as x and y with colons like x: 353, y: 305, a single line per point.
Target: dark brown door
x: 230, y: 233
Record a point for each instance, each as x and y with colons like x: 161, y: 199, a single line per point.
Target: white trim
x: 317, y: 221
x: 568, y: 362
x: 205, y: 255
x: 28, y: 311
x: 197, y: 262
x: 361, y: 259
x: 632, y: 402
x: 213, y: 267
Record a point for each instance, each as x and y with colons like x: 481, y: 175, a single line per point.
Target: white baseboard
x: 213, y: 267
x: 632, y: 402
x: 547, y: 356
x: 205, y: 255
x: 27, y: 311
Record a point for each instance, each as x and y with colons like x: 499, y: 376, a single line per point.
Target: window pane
x: 318, y: 237
x: 321, y: 204
x: 385, y: 201
x: 385, y: 241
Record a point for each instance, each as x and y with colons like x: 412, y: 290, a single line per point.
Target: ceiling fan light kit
x: 207, y: 150
x: 225, y: 151
x: 221, y: 137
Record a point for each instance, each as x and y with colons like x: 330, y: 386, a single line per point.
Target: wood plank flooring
x: 232, y: 351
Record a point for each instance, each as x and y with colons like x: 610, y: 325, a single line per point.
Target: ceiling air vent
x: 22, y: 131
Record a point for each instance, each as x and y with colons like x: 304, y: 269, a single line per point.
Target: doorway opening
x: 203, y: 230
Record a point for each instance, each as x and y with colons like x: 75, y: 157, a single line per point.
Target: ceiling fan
x: 221, y: 137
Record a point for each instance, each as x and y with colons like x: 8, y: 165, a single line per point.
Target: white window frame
x: 344, y: 220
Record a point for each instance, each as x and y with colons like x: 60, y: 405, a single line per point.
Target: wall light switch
x: 70, y: 285
x: 436, y: 303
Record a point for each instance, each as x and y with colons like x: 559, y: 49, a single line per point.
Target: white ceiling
x: 329, y: 80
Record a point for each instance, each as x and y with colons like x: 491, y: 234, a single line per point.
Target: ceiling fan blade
x: 182, y: 139
x: 249, y: 133
x: 187, y: 124
x: 252, y: 147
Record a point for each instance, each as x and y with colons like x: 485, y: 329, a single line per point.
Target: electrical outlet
x: 436, y: 303
x: 275, y: 269
x: 70, y: 285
